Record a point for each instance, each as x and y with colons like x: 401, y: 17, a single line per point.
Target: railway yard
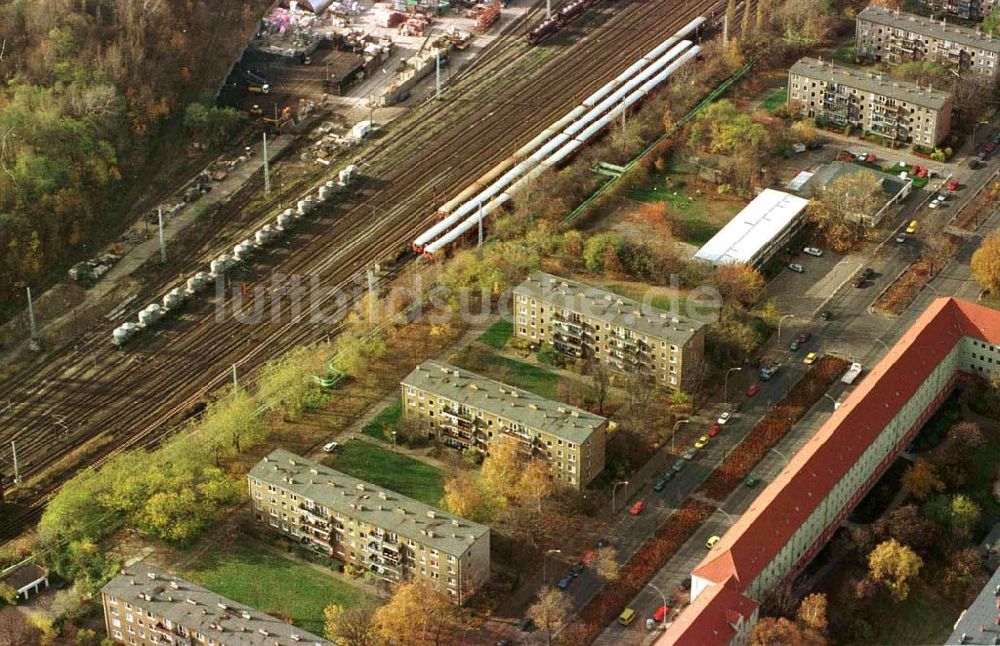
x: 78, y: 404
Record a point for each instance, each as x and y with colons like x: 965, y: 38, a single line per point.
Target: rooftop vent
x: 245, y: 614
x: 454, y: 521
x: 191, y: 601
x: 175, y: 585
x: 431, y: 513
x: 382, y: 495
x: 151, y: 575
x: 360, y: 486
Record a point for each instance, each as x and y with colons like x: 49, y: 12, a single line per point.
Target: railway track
x: 119, y: 399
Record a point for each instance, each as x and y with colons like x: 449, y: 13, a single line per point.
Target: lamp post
x: 783, y: 456
x: 614, y: 490
x: 394, y: 440
x: 725, y: 387
x: 663, y: 622
x: 674, y: 434
x: 786, y: 316
x: 545, y: 558
x: 836, y: 404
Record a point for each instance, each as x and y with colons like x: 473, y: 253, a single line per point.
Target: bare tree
x: 16, y: 630
x: 550, y: 612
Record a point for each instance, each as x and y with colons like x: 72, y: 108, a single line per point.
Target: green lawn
x: 529, y: 376
x: 696, y: 218
x: 386, y: 468
x: 924, y: 618
x: 386, y: 421
x: 498, y: 334
x: 846, y: 54
x: 278, y: 586
x: 775, y: 101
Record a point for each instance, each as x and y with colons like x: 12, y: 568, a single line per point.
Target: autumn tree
x: 965, y: 515
x: 502, y: 468
x: 937, y: 251
x: 573, y: 245
x: 351, y: 626
x: 841, y: 207
x: 964, y: 575
x: 908, y: 526
x: 894, y: 565
x: 16, y: 630
x: 921, y: 480
x: 550, y: 612
x: 605, y: 563
x: 739, y: 283
x: 463, y: 496
x: 769, y: 631
x: 986, y: 262
x: 417, y: 614
x: 812, y: 612
x: 724, y: 129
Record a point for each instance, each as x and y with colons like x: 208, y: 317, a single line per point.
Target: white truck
x: 852, y: 373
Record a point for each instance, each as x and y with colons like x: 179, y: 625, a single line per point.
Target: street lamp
x: 836, y: 404
x: 783, y: 456
x: 663, y: 622
x: 725, y: 387
x: 884, y: 344
x: 786, y: 316
x: 394, y: 440
x: 674, y: 434
x: 613, y: 491
x: 545, y: 557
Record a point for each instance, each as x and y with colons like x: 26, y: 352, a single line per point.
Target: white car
x: 934, y: 204
x: 901, y: 238
x: 813, y: 251
x: 724, y: 417
x: 796, y: 267
x: 330, y: 447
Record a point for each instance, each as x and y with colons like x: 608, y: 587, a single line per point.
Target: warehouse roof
x: 608, y: 307
x: 870, y: 82
x: 369, y: 503
x: 785, y: 505
x: 537, y: 413
x: 938, y: 29
x: 752, y: 229
x: 200, y: 610
x: 978, y: 621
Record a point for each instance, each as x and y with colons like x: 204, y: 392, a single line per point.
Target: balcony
x: 169, y: 635
x: 314, y: 513
x: 458, y: 418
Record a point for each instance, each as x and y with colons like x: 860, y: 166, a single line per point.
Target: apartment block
x: 586, y: 322
x: 145, y: 606
x: 369, y: 527
x: 468, y: 411
x: 896, y: 37
x: 841, y: 96
x: 964, y: 9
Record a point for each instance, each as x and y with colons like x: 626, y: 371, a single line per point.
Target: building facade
x: 369, y: 527
x: 470, y: 412
x: 630, y: 337
x: 896, y: 37
x: 964, y: 9
x: 145, y: 606
x: 798, y: 513
x: 758, y: 232
x: 840, y: 96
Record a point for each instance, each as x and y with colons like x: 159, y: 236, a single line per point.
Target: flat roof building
x: 587, y: 322
x: 144, y: 605
x: 895, y: 188
x: 757, y: 232
x: 369, y: 527
x: 978, y: 623
x: 899, y: 112
x: 897, y: 37
x: 471, y: 412
x: 798, y: 513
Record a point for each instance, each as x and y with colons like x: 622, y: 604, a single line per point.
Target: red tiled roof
x: 710, y: 618
x: 760, y: 533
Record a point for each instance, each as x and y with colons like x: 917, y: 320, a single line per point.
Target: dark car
x: 826, y: 315
x: 867, y: 273
x: 564, y: 582
x: 804, y: 337
x: 601, y: 542
x: 576, y: 569
x: 660, y: 485
x: 686, y: 583
x: 858, y: 282
x: 669, y: 475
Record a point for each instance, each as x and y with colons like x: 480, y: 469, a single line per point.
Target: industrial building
x: 795, y: 516
x: 369, y: 527
x: 815, y: 183
x: 145, y: 606
x: 471, y: 412
x: 757, y: 232
x: 896, y: 37
x: 965, y: 9
x: 586, y: 322
x: 897, y: 111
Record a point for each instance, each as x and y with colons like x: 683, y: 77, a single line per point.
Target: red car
x: 753, y: 390
x: 804, y: 337
x: 990, y: 147
x: 588, y: 557
x: 661, y: 613
x: 637, y: 508
x: 714, y: 430
x: 953, y: 184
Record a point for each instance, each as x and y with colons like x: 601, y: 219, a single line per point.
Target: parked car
x: 794, y: 345
x: 796, y: 267
x: 330, y: 447
x: 669, y: 475
x: 901, y: 238
x: 564, y: 582
x: 702, y: 442
x: 601, y: 542
x: 576, y: 569
x: 813, y: 251
x: 677, y: 465
x: 810, y: 359
x: 989, y: 148
x: 934, y: 204
x: 858, y: 282
x: 804, y: 337
x: 867, y: 273
x: 973, y: 164
x: 660, y: 485
x: 752, y: 481
x: 588, y: 557
x: 714, y: 430
x: 661, y: 613
x: 953, y: 184
x: 689, y: 454
x: 712, y: 542
x: 637, y: 508
x: 724, y: 417
x: 753, y: 390
x: 628, y: 616
x: 826, y: 315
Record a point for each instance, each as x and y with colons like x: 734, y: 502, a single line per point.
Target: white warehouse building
x: 757, y: 232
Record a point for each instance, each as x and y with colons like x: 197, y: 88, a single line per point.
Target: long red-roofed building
x: 795, y: 516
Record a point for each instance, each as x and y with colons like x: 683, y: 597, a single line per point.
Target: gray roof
x: 982, y: 612
x: 828, y: 173
x: 870, y: 82
x: 369, y: 503
x: 938, y: 29
x: 560, y: 420
x: 203, y: 611
x: 609, y: 307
